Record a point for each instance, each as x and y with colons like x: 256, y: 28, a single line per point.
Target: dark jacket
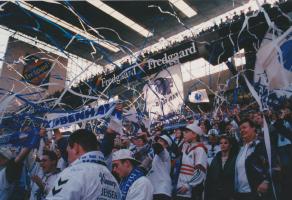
x: 257, y: 168
x: 220, y: 180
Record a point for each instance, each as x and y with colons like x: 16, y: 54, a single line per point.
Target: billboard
x: 36, y: 71
x: 180, y: 54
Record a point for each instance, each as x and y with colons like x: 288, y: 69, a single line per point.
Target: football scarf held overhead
x: 80, y: 116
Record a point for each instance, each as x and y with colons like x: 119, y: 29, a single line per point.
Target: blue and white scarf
x: 92, y: 157
x: 129, y: 180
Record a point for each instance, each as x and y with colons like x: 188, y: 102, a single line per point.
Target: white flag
x: 164, y: 93
x: 131, y: 115
x: 273, y: 67
x: 199, y: 96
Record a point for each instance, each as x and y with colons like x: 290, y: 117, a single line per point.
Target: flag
x: 164, y: 93
x: 116, y: 119
x: 131, y: 115
x: 199, y: 96
x: 273, y: 67
x: 116, y: 125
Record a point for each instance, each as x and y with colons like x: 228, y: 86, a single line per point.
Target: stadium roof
x: 109, y: 28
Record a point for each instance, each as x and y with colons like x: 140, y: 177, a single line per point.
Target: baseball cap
x: 195, y: 128
x: 167, y: 139
x: 6, y: 152
x: 213, y: 132
x: 124, y: 154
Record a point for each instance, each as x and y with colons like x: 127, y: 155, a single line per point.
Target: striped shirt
x: 193, y: 167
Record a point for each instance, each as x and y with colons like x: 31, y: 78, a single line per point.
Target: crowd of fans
x: 231, y: 154
x: 211, y: 156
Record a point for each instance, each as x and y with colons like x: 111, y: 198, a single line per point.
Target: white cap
x: 6, y: 152
x: 123, y: 154
x: 195, y: 128
x: 213, y: 132
x: 166, y: 139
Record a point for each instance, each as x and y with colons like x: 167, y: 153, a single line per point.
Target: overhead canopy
x: 83, y: 15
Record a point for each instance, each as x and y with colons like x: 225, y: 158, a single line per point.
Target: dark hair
x: 56, y: 130
x: 85, y: 138
x: 232, y: 142
x: 143, y: 138
x: 51, y: 155
x: 206, y: 123
x: 251, y: 123
x: 226, y: 137
x: 259, y: 113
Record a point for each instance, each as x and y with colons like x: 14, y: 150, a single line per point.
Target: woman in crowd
x: 220, y: 176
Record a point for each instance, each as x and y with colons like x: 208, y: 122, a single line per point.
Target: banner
x: 36, y: 70
x: 199, y: 96
x: 273, y: 68
x: 180, y: 54
x: 81, y: 116
x: 164, y: 93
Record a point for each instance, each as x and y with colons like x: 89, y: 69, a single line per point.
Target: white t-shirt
x: 159, y: 175
x: 141, y: 189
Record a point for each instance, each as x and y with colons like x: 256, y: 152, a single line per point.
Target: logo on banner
x: 198, y: 96
x: 117, y: 79
x: 163, y: 85
x: 80, y: 116
x: 171, y: 59
x: 36, y: 70
x: 286, y: 52
x: 180, y: 54
x: 163, y: 94
x: 274, y: 65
